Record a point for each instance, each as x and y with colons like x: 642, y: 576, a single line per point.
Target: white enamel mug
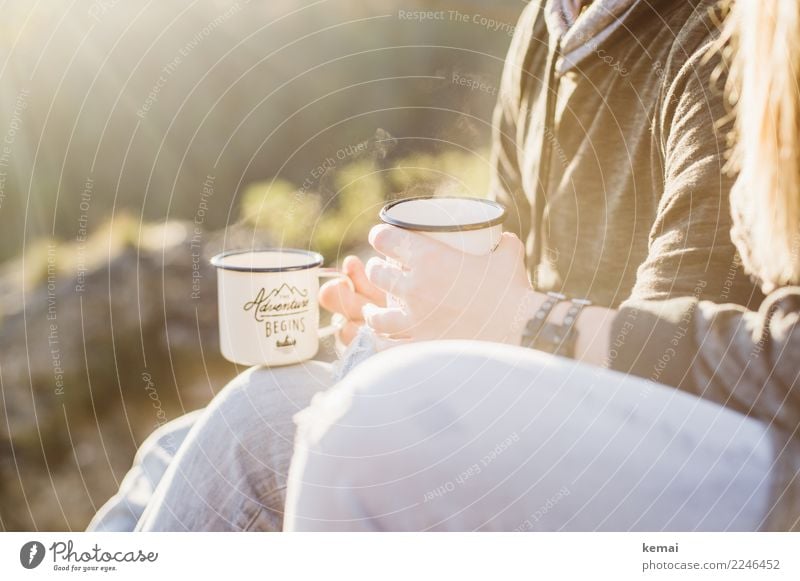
x: 268, y: 306
x: 471, y: 225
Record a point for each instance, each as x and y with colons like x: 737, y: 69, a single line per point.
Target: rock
x: 92, y: 360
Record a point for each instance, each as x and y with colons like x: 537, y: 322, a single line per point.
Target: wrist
x: 559, y: 312
x: 554, y: 326
x: 593, y: 341
x: 527, y: 306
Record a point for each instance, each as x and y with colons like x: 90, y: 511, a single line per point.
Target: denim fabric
x: 230, y: 472
x: 479, y: 436
x: 449, y: 436
x: 125, y: 508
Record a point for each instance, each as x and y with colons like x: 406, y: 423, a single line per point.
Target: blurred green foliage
x: 148, y: 101
x: 303, y: 219
x: 333, y: 223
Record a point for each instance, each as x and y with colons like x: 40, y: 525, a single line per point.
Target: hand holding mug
x: 447, y: 293
x: 347, y: 296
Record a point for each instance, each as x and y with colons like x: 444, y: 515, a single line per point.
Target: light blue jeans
x: 222, y: 468
x: 452, y: 436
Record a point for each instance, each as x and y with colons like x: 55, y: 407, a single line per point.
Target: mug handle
x: 337, y: 321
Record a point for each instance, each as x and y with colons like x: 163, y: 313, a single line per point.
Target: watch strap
x: 534, y: 326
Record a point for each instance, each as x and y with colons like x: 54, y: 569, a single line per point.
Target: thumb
x: 510, y: 245
x: 354, y: 268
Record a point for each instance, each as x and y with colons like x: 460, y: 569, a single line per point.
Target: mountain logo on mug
x: 288, y: 342
x: 281, y: 301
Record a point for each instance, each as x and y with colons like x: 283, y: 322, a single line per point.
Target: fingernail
x: 372, y: 233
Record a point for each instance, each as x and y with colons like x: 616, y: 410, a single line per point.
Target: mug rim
x: 385, y: 218
x: 317, y: 260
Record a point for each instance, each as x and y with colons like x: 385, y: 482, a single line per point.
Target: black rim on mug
x: 315, y: 260
x: 387, y: 219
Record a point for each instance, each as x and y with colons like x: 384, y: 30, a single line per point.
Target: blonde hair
x: 763, y: 84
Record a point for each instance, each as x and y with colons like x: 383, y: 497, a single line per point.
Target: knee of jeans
x: 260, y: 385
x: 421, y: 397
x: 439, y: 374
x: 165, y: 440
x: 262, y: 397
x: 378, y: 430
x: 397, y: 400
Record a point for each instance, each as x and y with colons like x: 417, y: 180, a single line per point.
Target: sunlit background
x: 139, y: 138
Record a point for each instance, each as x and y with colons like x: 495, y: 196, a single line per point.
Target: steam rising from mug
x: 472, y: 225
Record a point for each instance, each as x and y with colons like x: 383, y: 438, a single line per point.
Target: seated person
x: 481, y: 436
x: 613, y: 179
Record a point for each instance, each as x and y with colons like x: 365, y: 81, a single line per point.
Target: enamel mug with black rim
x: 268, y: 307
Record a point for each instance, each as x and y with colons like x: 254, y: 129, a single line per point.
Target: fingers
x: 406, y: 247
x: 349, y: 295
x: 392, y: 322
x: 355, y: 270
x: 338, y: 296
x: 387, y: 277
x: 349, y: 332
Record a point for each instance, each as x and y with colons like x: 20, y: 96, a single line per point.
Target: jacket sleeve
x: 747, y: 360
x: 508, y: 129
x: 690, y: 252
